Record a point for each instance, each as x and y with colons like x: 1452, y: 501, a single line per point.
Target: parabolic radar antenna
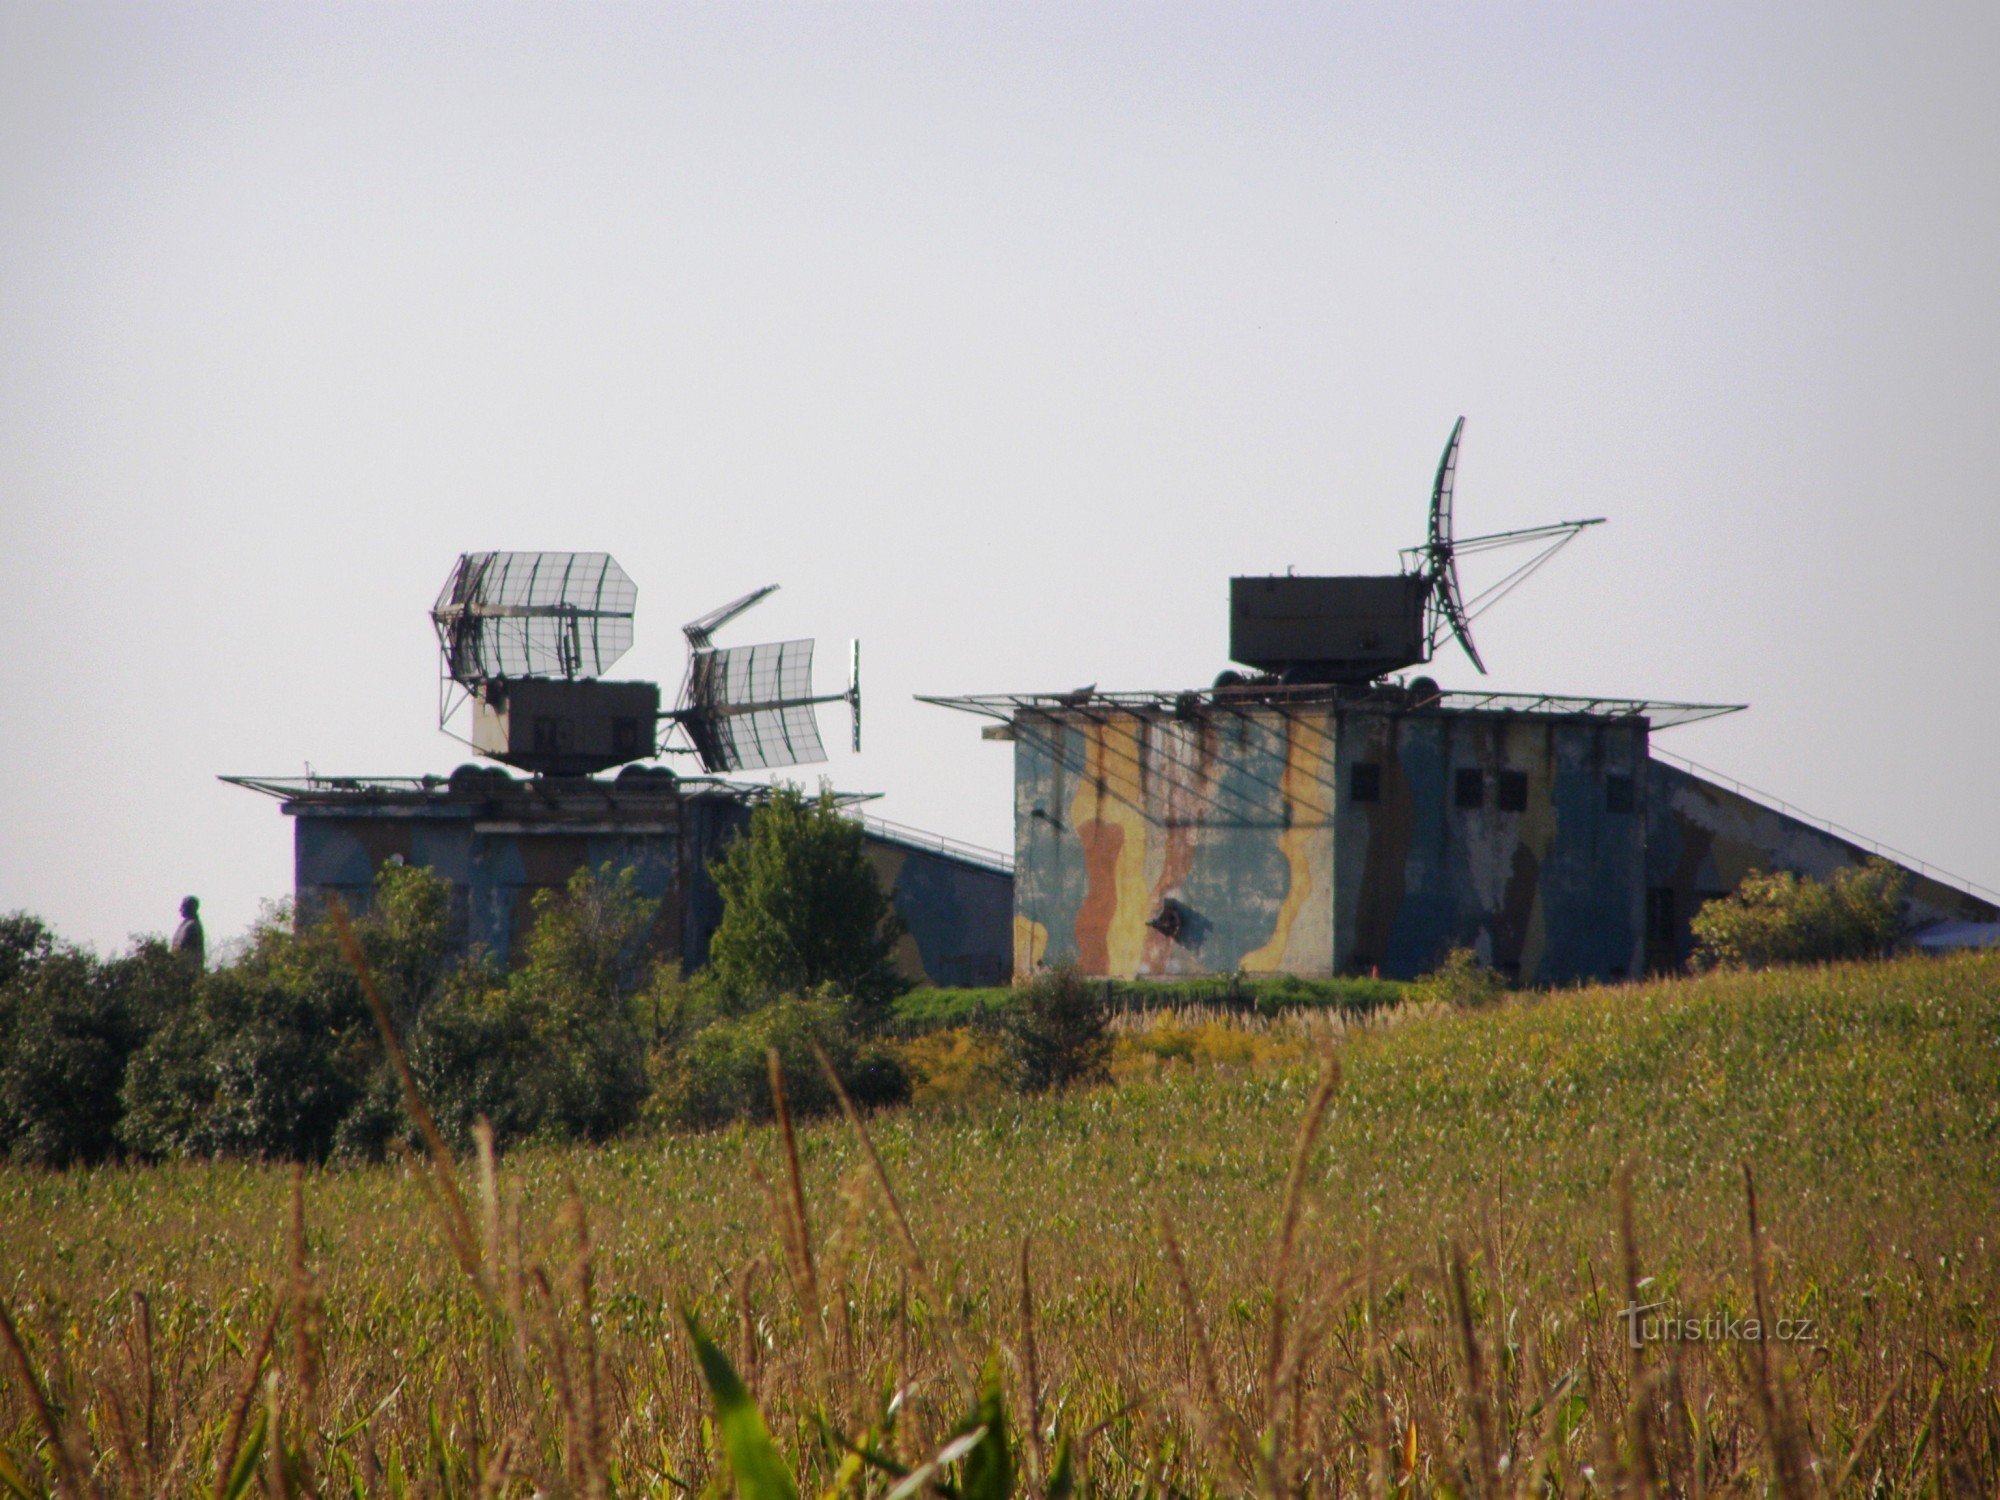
x: 525, y: 636
x: 1356, y: 629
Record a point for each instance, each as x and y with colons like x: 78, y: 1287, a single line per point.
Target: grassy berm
x: 1424, y: 1299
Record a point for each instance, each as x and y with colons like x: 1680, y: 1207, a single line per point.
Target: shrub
x: 802, y: 908
x: 718, y: 1071
x: 66, y: 1045
x: 955, y: 1064
x: 1057, y: 1032
x: 1784, y: 918
x: 69, y: 1026
x: 1460, y: 979
x: 549, y: 1051
x: 256, y: 1066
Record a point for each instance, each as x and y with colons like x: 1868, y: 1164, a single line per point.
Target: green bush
x: 66, y: 1045
x: 1460, y: 979
x: 1784, y: 918
x: 549, y: 1051
x: 717, y: 1071
x: 69, y: 1026
x: 278, y: 1055
x: 802, y: 908
x: 1057, y: 1032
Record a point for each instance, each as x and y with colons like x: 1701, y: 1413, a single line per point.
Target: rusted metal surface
x: 1315, y: 838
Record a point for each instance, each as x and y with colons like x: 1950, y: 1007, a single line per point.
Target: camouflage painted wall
x: 1157, y: 843
x: 958, y: 915
x: 1519, y: 837
x: 1702, y: 839
x: 498, y: 855
x: 1228, y: 817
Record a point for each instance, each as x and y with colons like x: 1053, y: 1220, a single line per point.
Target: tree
x: 1784, y: 918
x: 69, y: 1026
x: 277, y: 1055
x: 802, y: 908
x: 585, y: 1073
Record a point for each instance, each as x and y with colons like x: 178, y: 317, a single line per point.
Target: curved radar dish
x: 505, y: 615
x: 1447, y: 604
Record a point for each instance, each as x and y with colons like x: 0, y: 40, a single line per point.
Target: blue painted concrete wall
x: 501, y: 840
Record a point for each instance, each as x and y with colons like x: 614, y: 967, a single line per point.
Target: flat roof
x: 471, y: 786
x: 1250, y: 697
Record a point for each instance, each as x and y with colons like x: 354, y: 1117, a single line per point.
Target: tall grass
x: 1225, y: 1274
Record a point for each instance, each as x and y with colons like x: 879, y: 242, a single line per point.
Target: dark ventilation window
x: 1510, y: 791
x: 624, y: 736
x: 1618, y: 794
x: 553, y: 734
x: 1468, y: 788
x: 1364, y: 782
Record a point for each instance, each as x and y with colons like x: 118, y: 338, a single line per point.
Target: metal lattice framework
x: 1447, y: 613
x: 750, y: 708
x: 1239, y: 700
x: 533, y: 614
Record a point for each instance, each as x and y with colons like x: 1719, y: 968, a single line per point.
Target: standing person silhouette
x: 188, y: 941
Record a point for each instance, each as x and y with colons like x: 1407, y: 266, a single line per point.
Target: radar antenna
x: 1447, y: 613
x: 749, y: 708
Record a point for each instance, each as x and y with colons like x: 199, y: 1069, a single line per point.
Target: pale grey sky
x: 1000, y: 336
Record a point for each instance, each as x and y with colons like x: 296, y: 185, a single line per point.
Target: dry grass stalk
x: 795, y: 1229
x: 1031, y: 1371
x: 442, y: 1179
x: 72, y: 1471
x: 905, y: 1237
x: 1773, y: 1418
x: 239, y: 1413
x: 1485, y: 1471
x: 1644, y: 1465
x: 1222, y: 1419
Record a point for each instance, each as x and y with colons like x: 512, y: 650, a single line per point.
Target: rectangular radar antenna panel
x: 751, y: 708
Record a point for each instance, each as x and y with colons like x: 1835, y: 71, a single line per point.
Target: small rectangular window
x: 1469, y: 787
x: 1618, y: 794
x: 1510, y: 791
x: 1364, y: 782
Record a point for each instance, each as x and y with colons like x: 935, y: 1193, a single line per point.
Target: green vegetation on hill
x: 927, y: 1008
x: 1446, y: 1315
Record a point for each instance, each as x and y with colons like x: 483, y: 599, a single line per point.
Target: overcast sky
x: 1000, y: 336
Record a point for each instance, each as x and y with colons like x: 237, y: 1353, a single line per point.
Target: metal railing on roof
x: 936, y: 843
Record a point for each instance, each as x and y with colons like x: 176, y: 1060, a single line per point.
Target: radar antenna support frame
x: 773, y: 726
x: 1447, y: 613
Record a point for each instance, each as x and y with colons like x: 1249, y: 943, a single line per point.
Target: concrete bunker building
x: 524, y: 639
x: 1319, y: 815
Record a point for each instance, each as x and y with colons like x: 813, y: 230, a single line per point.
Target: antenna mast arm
x: 698, y: 631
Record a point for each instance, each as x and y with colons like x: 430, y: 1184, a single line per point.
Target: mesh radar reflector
x: 1356, y: 629
x: 525, y: 636
x: 751, y: 708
